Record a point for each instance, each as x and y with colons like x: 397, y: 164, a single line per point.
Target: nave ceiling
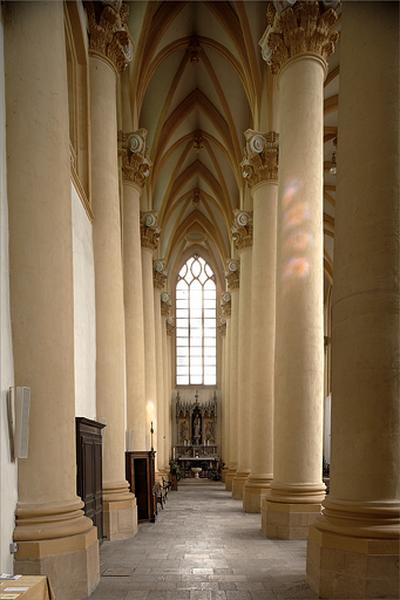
x: 196, y: 83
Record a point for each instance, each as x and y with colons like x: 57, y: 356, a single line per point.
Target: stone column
x: 226, y: 313
x: 53, y: 535
x: 135, y: 170
x: 260, y: 170
x: 222, y: 333
x: 233, y: 277
x: 242, y: 232
x: 353, y: 549
x: 165, y: 314
x: 109, y: 42
x: 170, y: 329
x: 160, y: 277
x: 299, y: 40
x: 150, y: 233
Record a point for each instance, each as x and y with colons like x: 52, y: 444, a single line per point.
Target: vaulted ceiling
x: 196, y: 83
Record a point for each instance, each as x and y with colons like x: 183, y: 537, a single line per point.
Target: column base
x: 354, y: 551
x: 281, y: 521
x: 238, y: 484
x: 119, y: 512
x: 223, y: 474
x: 256, y: 488
x: 230, y: 474
x: 349, y: 567
x: 57, y: 540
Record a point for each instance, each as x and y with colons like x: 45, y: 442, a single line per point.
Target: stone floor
x: 203, y: 547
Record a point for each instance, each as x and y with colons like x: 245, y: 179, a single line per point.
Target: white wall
x: 84, y: 311
x: 8, y: 469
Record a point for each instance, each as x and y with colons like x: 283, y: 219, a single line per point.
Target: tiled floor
x: 203, y: 547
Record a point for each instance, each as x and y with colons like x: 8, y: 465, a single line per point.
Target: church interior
x: 200, y: 299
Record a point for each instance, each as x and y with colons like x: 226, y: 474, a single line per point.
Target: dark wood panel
x: 89, y: 451
x: 140, y: 473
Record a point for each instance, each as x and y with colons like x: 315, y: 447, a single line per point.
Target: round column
x: 233, y: 277
x: 150, y: 233
x: 135, y: 169
x: 107, y: 58
x: 353, y: 549
x: 53, y: 535
x: 226, y: 399
x: 260, y: 169
x: 165, y: 314
x: 160, y: 278
x: 243, y: 239
x: 297, y: 489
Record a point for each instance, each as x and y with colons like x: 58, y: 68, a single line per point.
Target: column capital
x: 242, y: 229
x: 132, y: 148
x: 170, y: 325
x: 165, y: 304
x: 108, y: 32
x: 160, y: 273
x: 232, y: 275
x: 261, y: 156
x: 300, y: 28
x: 149, y: 230
x: 226, y: 304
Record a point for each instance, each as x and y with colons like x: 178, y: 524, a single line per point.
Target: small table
x: 38, y: 587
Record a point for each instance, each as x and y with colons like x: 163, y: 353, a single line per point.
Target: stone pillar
x: 53, y: 535
x: 160, y: 277
x: 170, y: 329
x: 233, y: 278
x: 299, y: 40
x: 135, y: 170
x: 353, y: 548
x: 226, y: 313
x: 242, y: 232
x: 260, y: 170
x: 222, y: 333
x: 165, y: 314
x: 150, y: 233
x: 107, y: 33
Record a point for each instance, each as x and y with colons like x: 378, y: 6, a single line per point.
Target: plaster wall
x: 84, y: 310
x: 8, y: 469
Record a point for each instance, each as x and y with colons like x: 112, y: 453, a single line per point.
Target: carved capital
x: 226, y: 305
x: 132, y: 148
x: 242, y: 229
x: 149, y: 230
x: 165, y: 304
x: 170, y: 325
x: 261, y: 156
x: 160, y: 273
x: 293, y: 29
x: 108, y: 31
x: 232, y: 274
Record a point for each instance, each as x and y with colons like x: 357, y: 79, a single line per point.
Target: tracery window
x: 196, y: 297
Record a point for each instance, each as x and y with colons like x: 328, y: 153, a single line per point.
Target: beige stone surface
x: 299, y: 352
x: 134, y: 325
x: 262, y: 344
x: 71, y: 564
x: 48, y: 514
x: 353, y: 549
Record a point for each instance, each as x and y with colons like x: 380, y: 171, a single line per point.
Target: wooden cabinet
x: 89, y: 446
x: 140, y: 473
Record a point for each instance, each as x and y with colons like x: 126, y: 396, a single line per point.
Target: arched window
x: 196, y: 298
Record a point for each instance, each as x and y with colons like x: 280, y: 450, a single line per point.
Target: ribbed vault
x: 196, y: 83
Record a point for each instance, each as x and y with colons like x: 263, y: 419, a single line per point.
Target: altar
x: 196, y: 447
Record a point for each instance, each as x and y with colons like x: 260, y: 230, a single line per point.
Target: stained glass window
x: 196, y: 350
